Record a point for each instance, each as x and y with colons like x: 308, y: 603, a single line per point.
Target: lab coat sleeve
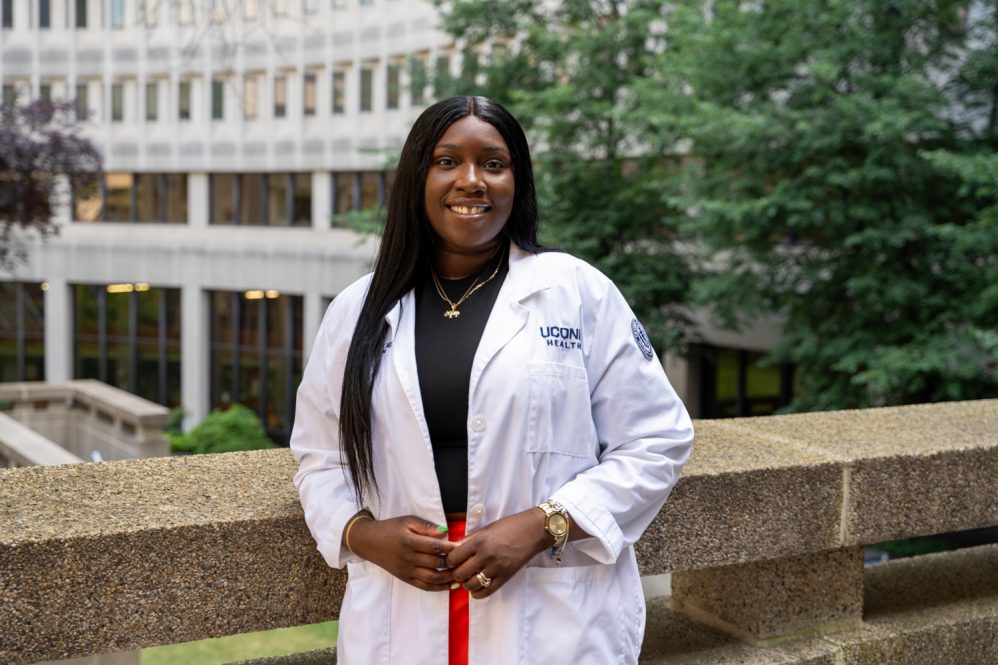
x: 644, y: 435
x: 322, y: 479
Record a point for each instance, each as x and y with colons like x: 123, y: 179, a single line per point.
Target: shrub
x: 236, y: 428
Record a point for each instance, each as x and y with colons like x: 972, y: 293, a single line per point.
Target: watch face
x: 557, y: 525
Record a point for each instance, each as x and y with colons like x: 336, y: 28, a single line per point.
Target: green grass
x: 224, y: 650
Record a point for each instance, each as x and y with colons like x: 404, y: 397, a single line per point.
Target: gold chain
x: 454, y: 312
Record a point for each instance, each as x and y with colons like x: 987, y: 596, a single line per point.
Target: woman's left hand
x: 498, y: 551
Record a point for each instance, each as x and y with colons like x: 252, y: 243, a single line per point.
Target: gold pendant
x: 452, y: 314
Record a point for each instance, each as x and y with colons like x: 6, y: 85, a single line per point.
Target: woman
x: 482, y: 418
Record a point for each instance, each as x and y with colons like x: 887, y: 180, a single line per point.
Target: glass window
x: 148, y: 197
x: 184, y: 101
x: 223, y: 192
x: 309, y: 96
x: 370, y: 189
x: 251, y: 9
x: 394, y: 85
x: 339, y: 91
x: 217, y: 99
x: 87, y: 204
x: 277, y: 199
x: 9, y: 94
x: 366, y: 89
x: 118, y: 197
x: 81, y: 13
x: 45, y: 91
x: 176, y: 198
x: 8, y: 13
x: 22, y: 332
x: 303, y: 199
x: 117, y: 13
x: 82, y: 108
x: 417, y: 80
x: 250, y: 96
x: 44, y: 14
x: 737, y: 382
x: 344, y: 193
x: 252, y: 198
x: 152, y: 100
x: 117, y: 102
x: 280, y: 96
x: 441, y: 73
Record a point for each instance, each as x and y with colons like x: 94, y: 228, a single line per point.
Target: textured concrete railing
x: 80, y: 417
x: 764, y: 536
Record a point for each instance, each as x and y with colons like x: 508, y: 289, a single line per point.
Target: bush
x: 236, y: 428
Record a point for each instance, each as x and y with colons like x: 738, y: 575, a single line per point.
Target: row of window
x: 124, y: 103
x: 146, y: 13
x: 254, y: 199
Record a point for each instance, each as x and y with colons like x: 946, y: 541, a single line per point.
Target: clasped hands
x: 418, y: 552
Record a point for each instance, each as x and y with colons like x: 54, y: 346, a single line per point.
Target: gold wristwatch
x: 557, y: 525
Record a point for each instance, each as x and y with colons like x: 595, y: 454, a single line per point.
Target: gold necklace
x: 454, y: 312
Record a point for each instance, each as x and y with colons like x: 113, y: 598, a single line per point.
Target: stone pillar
x: 322, y: 201
x: 198, y: 204
x: 194, y: 369
x: 312, y: 317
x: 815, y: 592
x: 58, y: 331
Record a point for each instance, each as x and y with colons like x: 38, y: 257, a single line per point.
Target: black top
x: 445, y: 350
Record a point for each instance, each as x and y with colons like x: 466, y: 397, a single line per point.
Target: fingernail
x: 455, y: 585
x: 441, y: 529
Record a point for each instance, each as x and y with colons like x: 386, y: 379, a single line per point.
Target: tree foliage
x: 39, y: 141
x: 837, y: 167
x: 236, y: 428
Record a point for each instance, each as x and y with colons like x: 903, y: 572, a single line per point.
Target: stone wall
x: 763, y: 535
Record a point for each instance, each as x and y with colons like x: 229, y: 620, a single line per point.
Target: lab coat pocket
x: 559, y: 417
x: 575, y: 615
x: 364, y: 616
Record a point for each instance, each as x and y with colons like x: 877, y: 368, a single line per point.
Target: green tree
x: 840, y: 180
x: 236, y: 428
x: 567, y: 71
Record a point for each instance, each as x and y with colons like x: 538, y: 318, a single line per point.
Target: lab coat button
x: 478, y: 424
x: 477, y: 511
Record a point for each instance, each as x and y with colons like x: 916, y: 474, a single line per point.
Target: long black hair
x: 406, y: 246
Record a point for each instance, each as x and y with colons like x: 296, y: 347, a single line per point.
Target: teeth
x: 473, y: 210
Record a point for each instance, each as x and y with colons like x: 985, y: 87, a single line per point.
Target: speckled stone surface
x: 106, y: 557
x: 912, y: 470
x: 742, y: 498
x: 317, y: 657
x: 767, y: 599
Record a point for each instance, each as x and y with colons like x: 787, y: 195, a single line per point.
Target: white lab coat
x: 566, y: 401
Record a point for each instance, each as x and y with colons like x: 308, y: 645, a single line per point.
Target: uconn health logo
x: 561, y: 337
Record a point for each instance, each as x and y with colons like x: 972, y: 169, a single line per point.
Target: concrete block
x: 765, y: 499
x: 764, y: 599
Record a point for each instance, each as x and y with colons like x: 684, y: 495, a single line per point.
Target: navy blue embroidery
x: 562, y: 337
x: 641, y: 337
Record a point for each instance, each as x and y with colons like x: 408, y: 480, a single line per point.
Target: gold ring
x: 483, y: 579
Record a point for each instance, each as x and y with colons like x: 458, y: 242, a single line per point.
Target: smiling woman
x: 481, y: 418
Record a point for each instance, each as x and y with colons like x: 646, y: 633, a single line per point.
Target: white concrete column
x: 312, y: 317
x: 62, y: 208
x: 322, y: 200
x: 198, y: 204
x: 194, y: 357
x: 58, y: 331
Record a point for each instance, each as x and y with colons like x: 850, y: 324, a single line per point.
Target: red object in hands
x: 458, y: 626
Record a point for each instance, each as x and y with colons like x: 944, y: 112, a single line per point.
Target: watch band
x: 556, y: 523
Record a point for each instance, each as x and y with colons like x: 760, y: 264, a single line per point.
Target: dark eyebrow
x: 453, y: 146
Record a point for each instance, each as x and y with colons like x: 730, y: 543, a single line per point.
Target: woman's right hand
x: 410, y: 548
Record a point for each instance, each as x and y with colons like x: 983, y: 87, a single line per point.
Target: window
x: 441, y: 73
x: 343, y: 193
x: 45, y: 92
x: 280, y: 96
x: 279, y: 212
x: 417, y: 80
x: 81, y: 13
x: 734, y: 382
x: 117, y: 13
x: 366, y: 89
x: 371, y: 190
x: 393, y: 86
x: 152, y: 101
x: 223, y: 198
x: 118, y: 197
x: 302, y: 204
x: 339, y: 91
x: 128, y: 335
x: 44, y: 14
x: 82, y: 108
x: 175, y: 196
x: 117, y: 102
x: 148, y: 199
x: 184, y: 101
x: 9, y: 94
x: 256, y: 354
x: 251, y: 10
x: 217, y: 99
x: 309, y: 96
x: 186, y: 12
x: 250, y: 96
x: 8, y: 13
x: 22, y: 331
x: 253, y: 198
x: 151, y: 12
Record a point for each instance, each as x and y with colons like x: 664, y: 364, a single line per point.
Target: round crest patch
x: 641, y: 337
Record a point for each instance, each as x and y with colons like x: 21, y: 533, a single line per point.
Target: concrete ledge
x: 97, y: 558
x: 25, y: 447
